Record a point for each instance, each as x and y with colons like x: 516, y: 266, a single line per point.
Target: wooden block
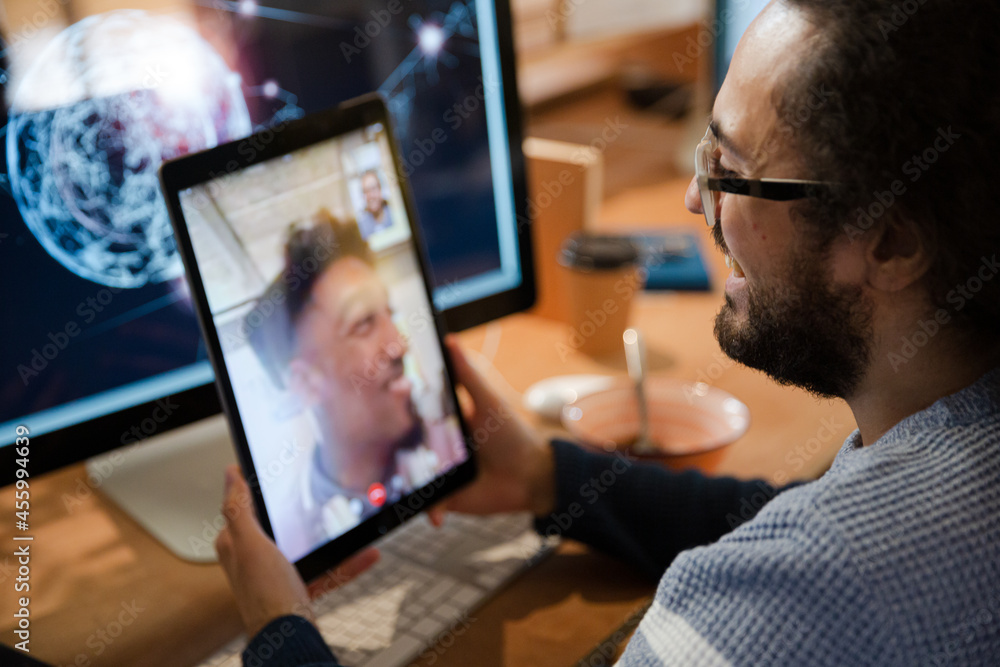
x: 564, y: 195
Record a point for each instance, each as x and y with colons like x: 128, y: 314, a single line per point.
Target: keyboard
x: 427, y: 583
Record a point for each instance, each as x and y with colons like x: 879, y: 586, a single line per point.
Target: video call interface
x: 92, y: 105
x: 327, y: 334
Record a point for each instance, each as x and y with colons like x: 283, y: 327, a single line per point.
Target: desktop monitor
x: 732, y: 18
x: 101, y: 343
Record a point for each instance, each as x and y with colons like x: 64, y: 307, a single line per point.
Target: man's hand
x: 265, y: 585
x: 516, y: 470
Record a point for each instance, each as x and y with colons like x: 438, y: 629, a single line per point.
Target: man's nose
x: 692, y: 196
x: 393, y: 341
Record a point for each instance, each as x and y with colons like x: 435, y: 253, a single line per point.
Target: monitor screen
x: 732, y: 18
x: 98, y: 316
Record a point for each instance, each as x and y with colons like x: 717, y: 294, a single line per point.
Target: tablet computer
x: 308, y: 274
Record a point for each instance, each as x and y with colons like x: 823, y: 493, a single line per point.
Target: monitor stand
x: 172, y: 485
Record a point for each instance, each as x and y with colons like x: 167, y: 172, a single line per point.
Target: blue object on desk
x: 674, y: 262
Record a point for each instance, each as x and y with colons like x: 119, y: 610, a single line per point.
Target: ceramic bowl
x: 686, y: 419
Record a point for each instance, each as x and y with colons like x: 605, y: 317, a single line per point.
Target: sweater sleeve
x: 288, y: 641
x: 644, y: 513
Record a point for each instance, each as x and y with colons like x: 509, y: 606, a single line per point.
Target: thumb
x: 436, y: 515
x: 237, y: 504
x: 469, y: 377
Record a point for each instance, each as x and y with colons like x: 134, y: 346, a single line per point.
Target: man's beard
x: 808, y: 333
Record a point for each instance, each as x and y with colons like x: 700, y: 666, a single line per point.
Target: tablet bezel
x: 200, y: 168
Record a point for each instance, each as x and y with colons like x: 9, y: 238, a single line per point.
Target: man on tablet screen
x: 336, y: 348
x: 376, y: 216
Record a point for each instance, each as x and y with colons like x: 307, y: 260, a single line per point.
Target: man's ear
x: 304, y: 381
x: 897, y: 255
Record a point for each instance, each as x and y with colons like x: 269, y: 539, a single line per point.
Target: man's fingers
x: 344, y: 572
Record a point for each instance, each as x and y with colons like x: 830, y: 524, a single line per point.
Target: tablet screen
x: 315, y: 291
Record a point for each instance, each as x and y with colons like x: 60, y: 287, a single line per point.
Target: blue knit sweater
x: 891, y: 558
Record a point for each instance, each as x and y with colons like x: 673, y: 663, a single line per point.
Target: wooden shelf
x: 570, y: 67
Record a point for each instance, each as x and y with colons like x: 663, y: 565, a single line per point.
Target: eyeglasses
x: 774, y: 189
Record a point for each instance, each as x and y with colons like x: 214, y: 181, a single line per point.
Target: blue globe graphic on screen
x: 108, y: 100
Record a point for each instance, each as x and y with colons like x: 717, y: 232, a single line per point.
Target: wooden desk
x: 105, y: 593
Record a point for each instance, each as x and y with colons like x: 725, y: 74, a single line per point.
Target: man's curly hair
x: 310, y: 249
x: 901, y: 74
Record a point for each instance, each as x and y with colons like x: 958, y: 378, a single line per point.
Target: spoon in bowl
x: 635, y: 357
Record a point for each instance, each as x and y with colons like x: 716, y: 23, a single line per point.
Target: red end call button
x: 376, y: 494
